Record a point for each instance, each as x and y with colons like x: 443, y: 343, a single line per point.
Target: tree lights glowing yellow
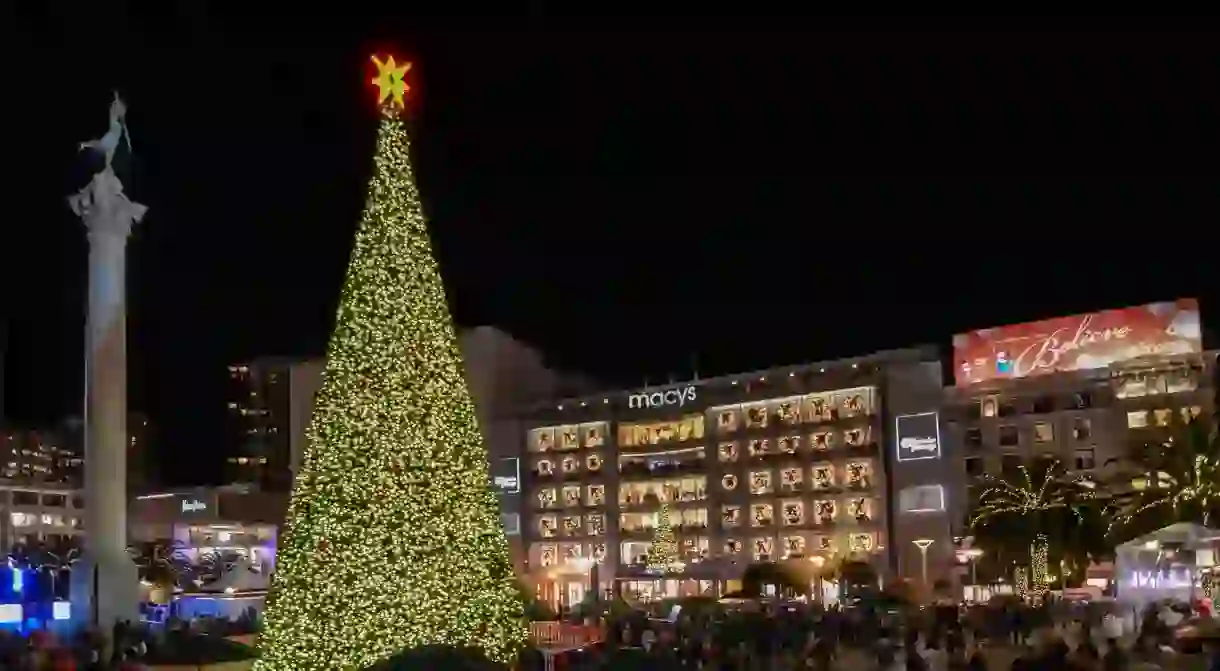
x: 393, y: 538
x: 391, y: 82
x: 663, y: 553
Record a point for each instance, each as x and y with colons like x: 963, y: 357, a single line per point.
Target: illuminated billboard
x: 1080, y: 342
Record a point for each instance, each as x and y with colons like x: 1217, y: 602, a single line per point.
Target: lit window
x: 1137, y: 419
x: 1044, y: 432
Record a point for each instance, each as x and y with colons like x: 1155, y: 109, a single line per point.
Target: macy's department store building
x: 816, y: 462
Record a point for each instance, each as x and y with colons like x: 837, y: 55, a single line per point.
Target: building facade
x: 1082, y: 391
x: 787, y: 463
x: 42, y: 456
x: 41, y: 515
x: 262, y: 416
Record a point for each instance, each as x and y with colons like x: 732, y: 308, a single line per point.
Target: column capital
x: 104, y: 208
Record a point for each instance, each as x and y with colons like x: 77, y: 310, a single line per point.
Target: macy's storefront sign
x: 660, y: 399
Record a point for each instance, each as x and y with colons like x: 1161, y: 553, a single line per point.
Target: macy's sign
x: 659, y: 399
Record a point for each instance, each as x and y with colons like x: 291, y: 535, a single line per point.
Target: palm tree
x: 1164, y: 482
x: 1023, y: 513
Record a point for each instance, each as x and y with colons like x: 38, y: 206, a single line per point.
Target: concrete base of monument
x: 105, y: 590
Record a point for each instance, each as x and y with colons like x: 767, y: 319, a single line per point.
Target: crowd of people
x: 791, y: 637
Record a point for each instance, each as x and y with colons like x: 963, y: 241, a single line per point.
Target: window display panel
x: 818, y: 408
x: 675, y: 490
x: 823, y: 477
x: 634, y: 552
x: 825, y: 511
x: 693, y: 548
x: 861, y: 542
x: 654, y: 433
x: 595, y: 495
x: 548, y: 498
x: 548, y: 526
x: 544, y: 467
x: 789, y: 444
x: 571, y: 526
x: 790, y: 479
x: 856, y: 402
x: 761, y: 483
x: 595, y: 525
x: 727, y: 418
x: 794, y: 512
x: 822, y: 441
x: 569, y: 437
x: 544, y: 554
x: 593, y: 434
x: 756, y: 415
x: 541, y: 440
x: 858, y: 436
x: 788, y: 411
x: 860, y: 474
x: 571, y: 496
x: 794, y: 546
x: 861, y: 509
x: 730, y: 516
x: 764, y: 546
x: 690, y: 519
x: 637, y: 522
x: 762, y: 515
x: 727, y: 452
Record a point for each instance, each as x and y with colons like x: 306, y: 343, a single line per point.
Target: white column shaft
x: 106, y: 395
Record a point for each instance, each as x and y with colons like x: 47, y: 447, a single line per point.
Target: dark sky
x: 751, y: 194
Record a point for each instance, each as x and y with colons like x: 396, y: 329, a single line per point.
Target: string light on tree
x: 663, y: 553
x: 1039, y: 563
x: 393, y: 538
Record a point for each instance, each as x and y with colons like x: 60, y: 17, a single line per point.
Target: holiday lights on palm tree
x: 1177, y: 480
x: 1027, y: 509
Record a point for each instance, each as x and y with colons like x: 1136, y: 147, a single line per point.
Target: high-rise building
x: 258, y: 427
x: 141, y: 460
x: 38, y: 456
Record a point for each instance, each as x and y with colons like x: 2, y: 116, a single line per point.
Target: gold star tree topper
x: 391, y: 81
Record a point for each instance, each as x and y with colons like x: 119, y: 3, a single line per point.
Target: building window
x: 1009, y: 436
x: 1044, y: 432
x: 989, y: 406
x: 21, y: 498
x: 974, y: 466
x: 974, y: 437
x: 1044, y: 405
x: 1162, y: 416
x: 1082, y: 400
x: 1137, y: 419
x: 512, y: 523
x: 1006, y: 408
x: 1084, y: 460
x: 1010, y: 464
x: 1082, y: 429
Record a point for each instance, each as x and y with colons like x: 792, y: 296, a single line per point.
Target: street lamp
x: 922, y: 544
x: 972, y: 555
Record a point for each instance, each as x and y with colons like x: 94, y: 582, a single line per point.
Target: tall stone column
x: 105, y: 585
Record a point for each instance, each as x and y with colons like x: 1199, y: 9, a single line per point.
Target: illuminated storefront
x: 752, y: 468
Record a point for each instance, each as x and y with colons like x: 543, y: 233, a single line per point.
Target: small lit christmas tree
x: 393, y: 540
x: 663, y: 553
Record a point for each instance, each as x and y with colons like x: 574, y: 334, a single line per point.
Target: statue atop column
x: 105, y: 589
x: 102, y: 201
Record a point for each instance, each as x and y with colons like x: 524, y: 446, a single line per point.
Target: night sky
x: 629, y: 202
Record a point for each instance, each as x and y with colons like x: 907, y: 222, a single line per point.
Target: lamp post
x: 972, y: 555
x: 922, y: 544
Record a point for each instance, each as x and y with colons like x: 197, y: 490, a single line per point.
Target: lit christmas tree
x: 393, y: 539
x: 663, y: 553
